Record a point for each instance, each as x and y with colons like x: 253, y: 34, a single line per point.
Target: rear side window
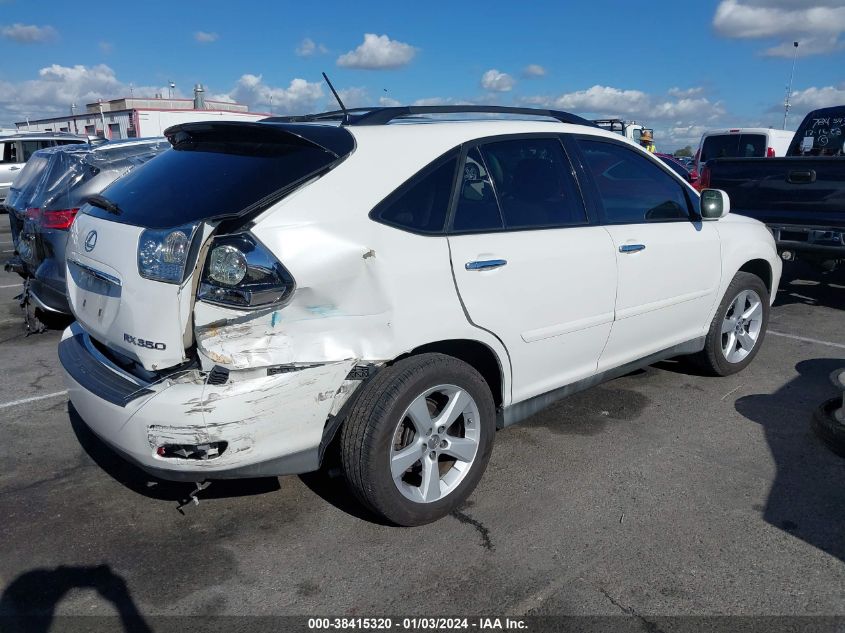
x: 518, y: 184
x: 632, y: 188
x: 421, y: 204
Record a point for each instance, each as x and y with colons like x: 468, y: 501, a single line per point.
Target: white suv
x: 400, y: 284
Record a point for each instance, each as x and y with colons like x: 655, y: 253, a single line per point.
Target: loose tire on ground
x: 827, y: 428
x: 713, y: 358
x: 388, y: 419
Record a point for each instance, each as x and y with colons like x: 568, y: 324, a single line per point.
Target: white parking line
x: 11, y: 285
x: 14, y: 403
x: 806, y: 339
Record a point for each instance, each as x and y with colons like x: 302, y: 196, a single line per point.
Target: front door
x: 529, y: 264
x: 669, y: 261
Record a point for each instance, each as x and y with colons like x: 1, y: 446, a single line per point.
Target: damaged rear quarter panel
x: 364, y: 291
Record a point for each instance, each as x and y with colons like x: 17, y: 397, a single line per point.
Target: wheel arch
x: 478, y: 355
x: 761, y: 268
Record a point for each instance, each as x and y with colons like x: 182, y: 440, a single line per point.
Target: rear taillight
x: 59, y: 219
x: 52, y: 219
x: 770, y: 152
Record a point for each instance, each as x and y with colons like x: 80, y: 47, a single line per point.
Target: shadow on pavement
x: 142, y: 483
x: 806, y: 285
x: 29, y: 603
x: 807, y: 498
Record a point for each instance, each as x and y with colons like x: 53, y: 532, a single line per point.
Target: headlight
x: 163, y: 253
x: 240, y: 272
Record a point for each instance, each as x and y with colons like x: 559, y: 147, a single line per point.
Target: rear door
x: 529, y: 263
x: 669, y: 262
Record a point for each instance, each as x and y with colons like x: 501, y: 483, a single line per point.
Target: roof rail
x: 383, y: 116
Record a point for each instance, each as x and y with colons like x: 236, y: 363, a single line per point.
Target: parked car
x: 16, y: 149
x: 801, y: 197
x: 400, y: 285
x: 678, y: 167
x: 741, y: 143
x: 42, y: 205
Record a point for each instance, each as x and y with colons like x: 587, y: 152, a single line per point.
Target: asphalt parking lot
x: 660, y: 493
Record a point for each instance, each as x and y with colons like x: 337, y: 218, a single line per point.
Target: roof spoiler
x: 335, y: 140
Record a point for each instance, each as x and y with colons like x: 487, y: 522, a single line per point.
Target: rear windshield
x: 69, y: 177
x: 822, y: 133
x: 733, y: 146
x: 209, y: 178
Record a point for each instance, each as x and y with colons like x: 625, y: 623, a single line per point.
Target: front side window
x: 631, y: 187
x: 420, y: 205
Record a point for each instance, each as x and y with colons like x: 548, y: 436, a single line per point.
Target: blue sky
x: 679, y: 66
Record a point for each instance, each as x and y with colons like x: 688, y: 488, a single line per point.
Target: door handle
x: 14, y: 168
x: 486, y: 264
x: 631, y: 248
x: 801, y: 177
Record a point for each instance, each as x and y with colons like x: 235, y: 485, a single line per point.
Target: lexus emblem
x: 90, y: 241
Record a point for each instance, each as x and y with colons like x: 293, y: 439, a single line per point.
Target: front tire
x: 418, y: 437
x: 738, y: 328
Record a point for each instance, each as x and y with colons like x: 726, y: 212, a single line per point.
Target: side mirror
x: 715, y: 204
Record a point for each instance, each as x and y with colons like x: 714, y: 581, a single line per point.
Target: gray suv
x: 16, y: 149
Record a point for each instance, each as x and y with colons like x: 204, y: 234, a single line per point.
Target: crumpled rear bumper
x: 272, y: 424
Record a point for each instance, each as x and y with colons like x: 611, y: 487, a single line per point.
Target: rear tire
x: 418, y: 437
x: 738, y: 328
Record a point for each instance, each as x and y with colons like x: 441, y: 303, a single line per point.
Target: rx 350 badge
x: 128, y: 338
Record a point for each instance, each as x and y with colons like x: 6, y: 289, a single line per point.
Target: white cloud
x: 56, y: 87
x: 497, y: 81
x: 389, y: 102
x: 678, y: 118
x: 308, y: 47
x: 685, y: 93
x: 813, y: 97
x: 355, y: 97
x: 533, y: 70
x: 204, y: 37
x: 299, y: 97
x: 435, y: 101
x: 28, y: 33
x: 604, y: 100
x: 816, y: 24
x: 106, y: 48
x: 378, y: 52
x: 695, y: 109
x: 808, y: 45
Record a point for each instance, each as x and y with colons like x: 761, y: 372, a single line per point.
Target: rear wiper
x: 103, y: 203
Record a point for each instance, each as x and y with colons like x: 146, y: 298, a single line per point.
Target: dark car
x: 678, y: 167
x: 42, y: 205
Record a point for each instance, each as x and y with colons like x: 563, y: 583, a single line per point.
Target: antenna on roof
x: 337, y: 98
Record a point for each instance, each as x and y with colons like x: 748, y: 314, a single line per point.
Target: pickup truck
x: 801, y: 196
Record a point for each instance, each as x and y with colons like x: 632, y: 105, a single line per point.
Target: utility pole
x: 789, y: 87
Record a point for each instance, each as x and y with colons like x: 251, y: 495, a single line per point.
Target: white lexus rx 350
x: 397, y: 283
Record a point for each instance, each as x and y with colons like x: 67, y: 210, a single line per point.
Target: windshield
x: 733, y: 146
x: 210, y: 176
